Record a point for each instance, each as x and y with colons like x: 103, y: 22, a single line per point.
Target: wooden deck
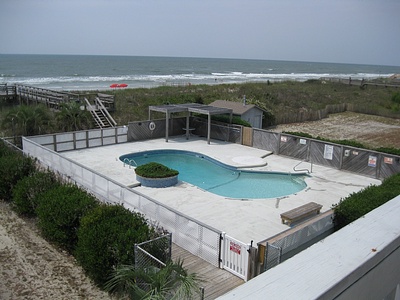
x: 215, y: 281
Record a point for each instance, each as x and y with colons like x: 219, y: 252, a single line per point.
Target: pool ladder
x: 130, y: 162
x: 302, y: 170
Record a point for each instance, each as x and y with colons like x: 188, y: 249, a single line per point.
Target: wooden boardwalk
x: 215, y: 281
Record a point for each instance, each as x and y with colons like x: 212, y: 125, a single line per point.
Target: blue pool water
x: 218, y: 178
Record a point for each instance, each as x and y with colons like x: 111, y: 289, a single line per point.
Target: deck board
x: 215, y: 281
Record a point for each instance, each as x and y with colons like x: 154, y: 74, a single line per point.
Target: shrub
x: 155, y: 170
x: 350, y: 143
x: 396, y: 97
x: 106, y: 239
x: 226, y: 119
x: 59, y: 211
x: 13, y: 168
x: 390, y: 150
x: 358, y: 204
x: 301, y: 134
x: 27, y: 190
x: 5, y: 150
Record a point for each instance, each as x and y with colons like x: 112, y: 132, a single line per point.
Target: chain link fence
x: 272, y: 256
x: 154, y: 253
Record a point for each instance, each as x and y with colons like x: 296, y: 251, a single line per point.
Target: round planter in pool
x: 157, y: 182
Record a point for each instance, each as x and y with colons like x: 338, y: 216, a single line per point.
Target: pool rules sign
x: 234, y: 247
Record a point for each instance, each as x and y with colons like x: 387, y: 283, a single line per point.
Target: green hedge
x: 106, y: 239
x: 60, y: 210
x: 27, y: 190
x: 5, y: 150
x: 155, y: 170
x: 13, y: 167
x: 358, y: 204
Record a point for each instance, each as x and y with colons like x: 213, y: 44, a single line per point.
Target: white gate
x: 235, y: 257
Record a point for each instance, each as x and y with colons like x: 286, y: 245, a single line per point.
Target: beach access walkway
x: 215, y: 281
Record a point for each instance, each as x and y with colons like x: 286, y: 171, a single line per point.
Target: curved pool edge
x: 253, y: 168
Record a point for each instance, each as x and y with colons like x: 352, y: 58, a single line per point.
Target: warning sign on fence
x: 234, y: 247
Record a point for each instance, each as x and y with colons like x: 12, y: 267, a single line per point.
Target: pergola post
x: 166, y: 126
x: 209, y: 129
x: 187, y: 124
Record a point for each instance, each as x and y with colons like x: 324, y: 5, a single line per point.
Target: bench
x: 300, y: 212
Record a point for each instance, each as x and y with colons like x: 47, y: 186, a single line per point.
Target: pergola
x: 189, y: 108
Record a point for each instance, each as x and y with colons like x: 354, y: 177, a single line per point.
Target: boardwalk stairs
x: 100, y: 113
x: 99, y: 104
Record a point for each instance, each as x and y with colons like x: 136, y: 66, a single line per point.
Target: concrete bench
x: 300, y: 212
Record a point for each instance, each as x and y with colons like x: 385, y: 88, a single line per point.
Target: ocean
x: 90, y: 72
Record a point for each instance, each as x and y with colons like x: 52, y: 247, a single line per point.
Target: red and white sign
x: 388, y: 160
x: 234, y: 247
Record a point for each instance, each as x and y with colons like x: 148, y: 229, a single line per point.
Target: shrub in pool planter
x: 156, y: 175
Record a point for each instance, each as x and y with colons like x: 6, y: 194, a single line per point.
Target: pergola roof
x: 188, y: 108
x: 191, y: 107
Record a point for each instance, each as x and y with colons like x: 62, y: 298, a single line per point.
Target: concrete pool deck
x: 245, y: 220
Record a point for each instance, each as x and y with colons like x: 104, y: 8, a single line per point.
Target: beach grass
x: 289, y: 97
x: 284, y: 102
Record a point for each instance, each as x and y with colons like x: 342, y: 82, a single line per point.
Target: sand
x: 31, y: 268
x: 372, y: 131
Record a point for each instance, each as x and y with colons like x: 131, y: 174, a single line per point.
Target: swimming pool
x: 218, y: 178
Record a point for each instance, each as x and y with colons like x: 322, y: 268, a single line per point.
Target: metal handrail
x: 301, y: 170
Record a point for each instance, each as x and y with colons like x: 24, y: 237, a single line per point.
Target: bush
x: 155, y: 170
x: 5, y: 150
x: 226, y: 119
x: 396, y: 97
x: 301, y: 134
x: 59, y: 211
x: 390, y: 150
x: 13, y: 168
x: 358, y: 204
x: 27, y: 190
x: 106, y: 239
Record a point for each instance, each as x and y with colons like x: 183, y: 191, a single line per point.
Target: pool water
x: 221, y: 179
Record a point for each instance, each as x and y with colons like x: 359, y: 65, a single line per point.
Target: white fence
x: 235, y: 256
x: 82, y: 139
x: 194, y: 236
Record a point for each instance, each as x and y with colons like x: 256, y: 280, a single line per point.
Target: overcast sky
x: 343, y: 31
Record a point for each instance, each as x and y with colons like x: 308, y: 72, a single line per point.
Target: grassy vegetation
x: 289, y: 96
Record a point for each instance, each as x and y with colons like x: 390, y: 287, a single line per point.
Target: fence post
x: 202, y: 293
x: 135, y: 247
x: 170, y: 245
x: 221, y: 255
x: 253, y: 262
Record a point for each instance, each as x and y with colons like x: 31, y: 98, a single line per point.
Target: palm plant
x: 27, y: 120
x: 170, y: 282
x: 71, y: 117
